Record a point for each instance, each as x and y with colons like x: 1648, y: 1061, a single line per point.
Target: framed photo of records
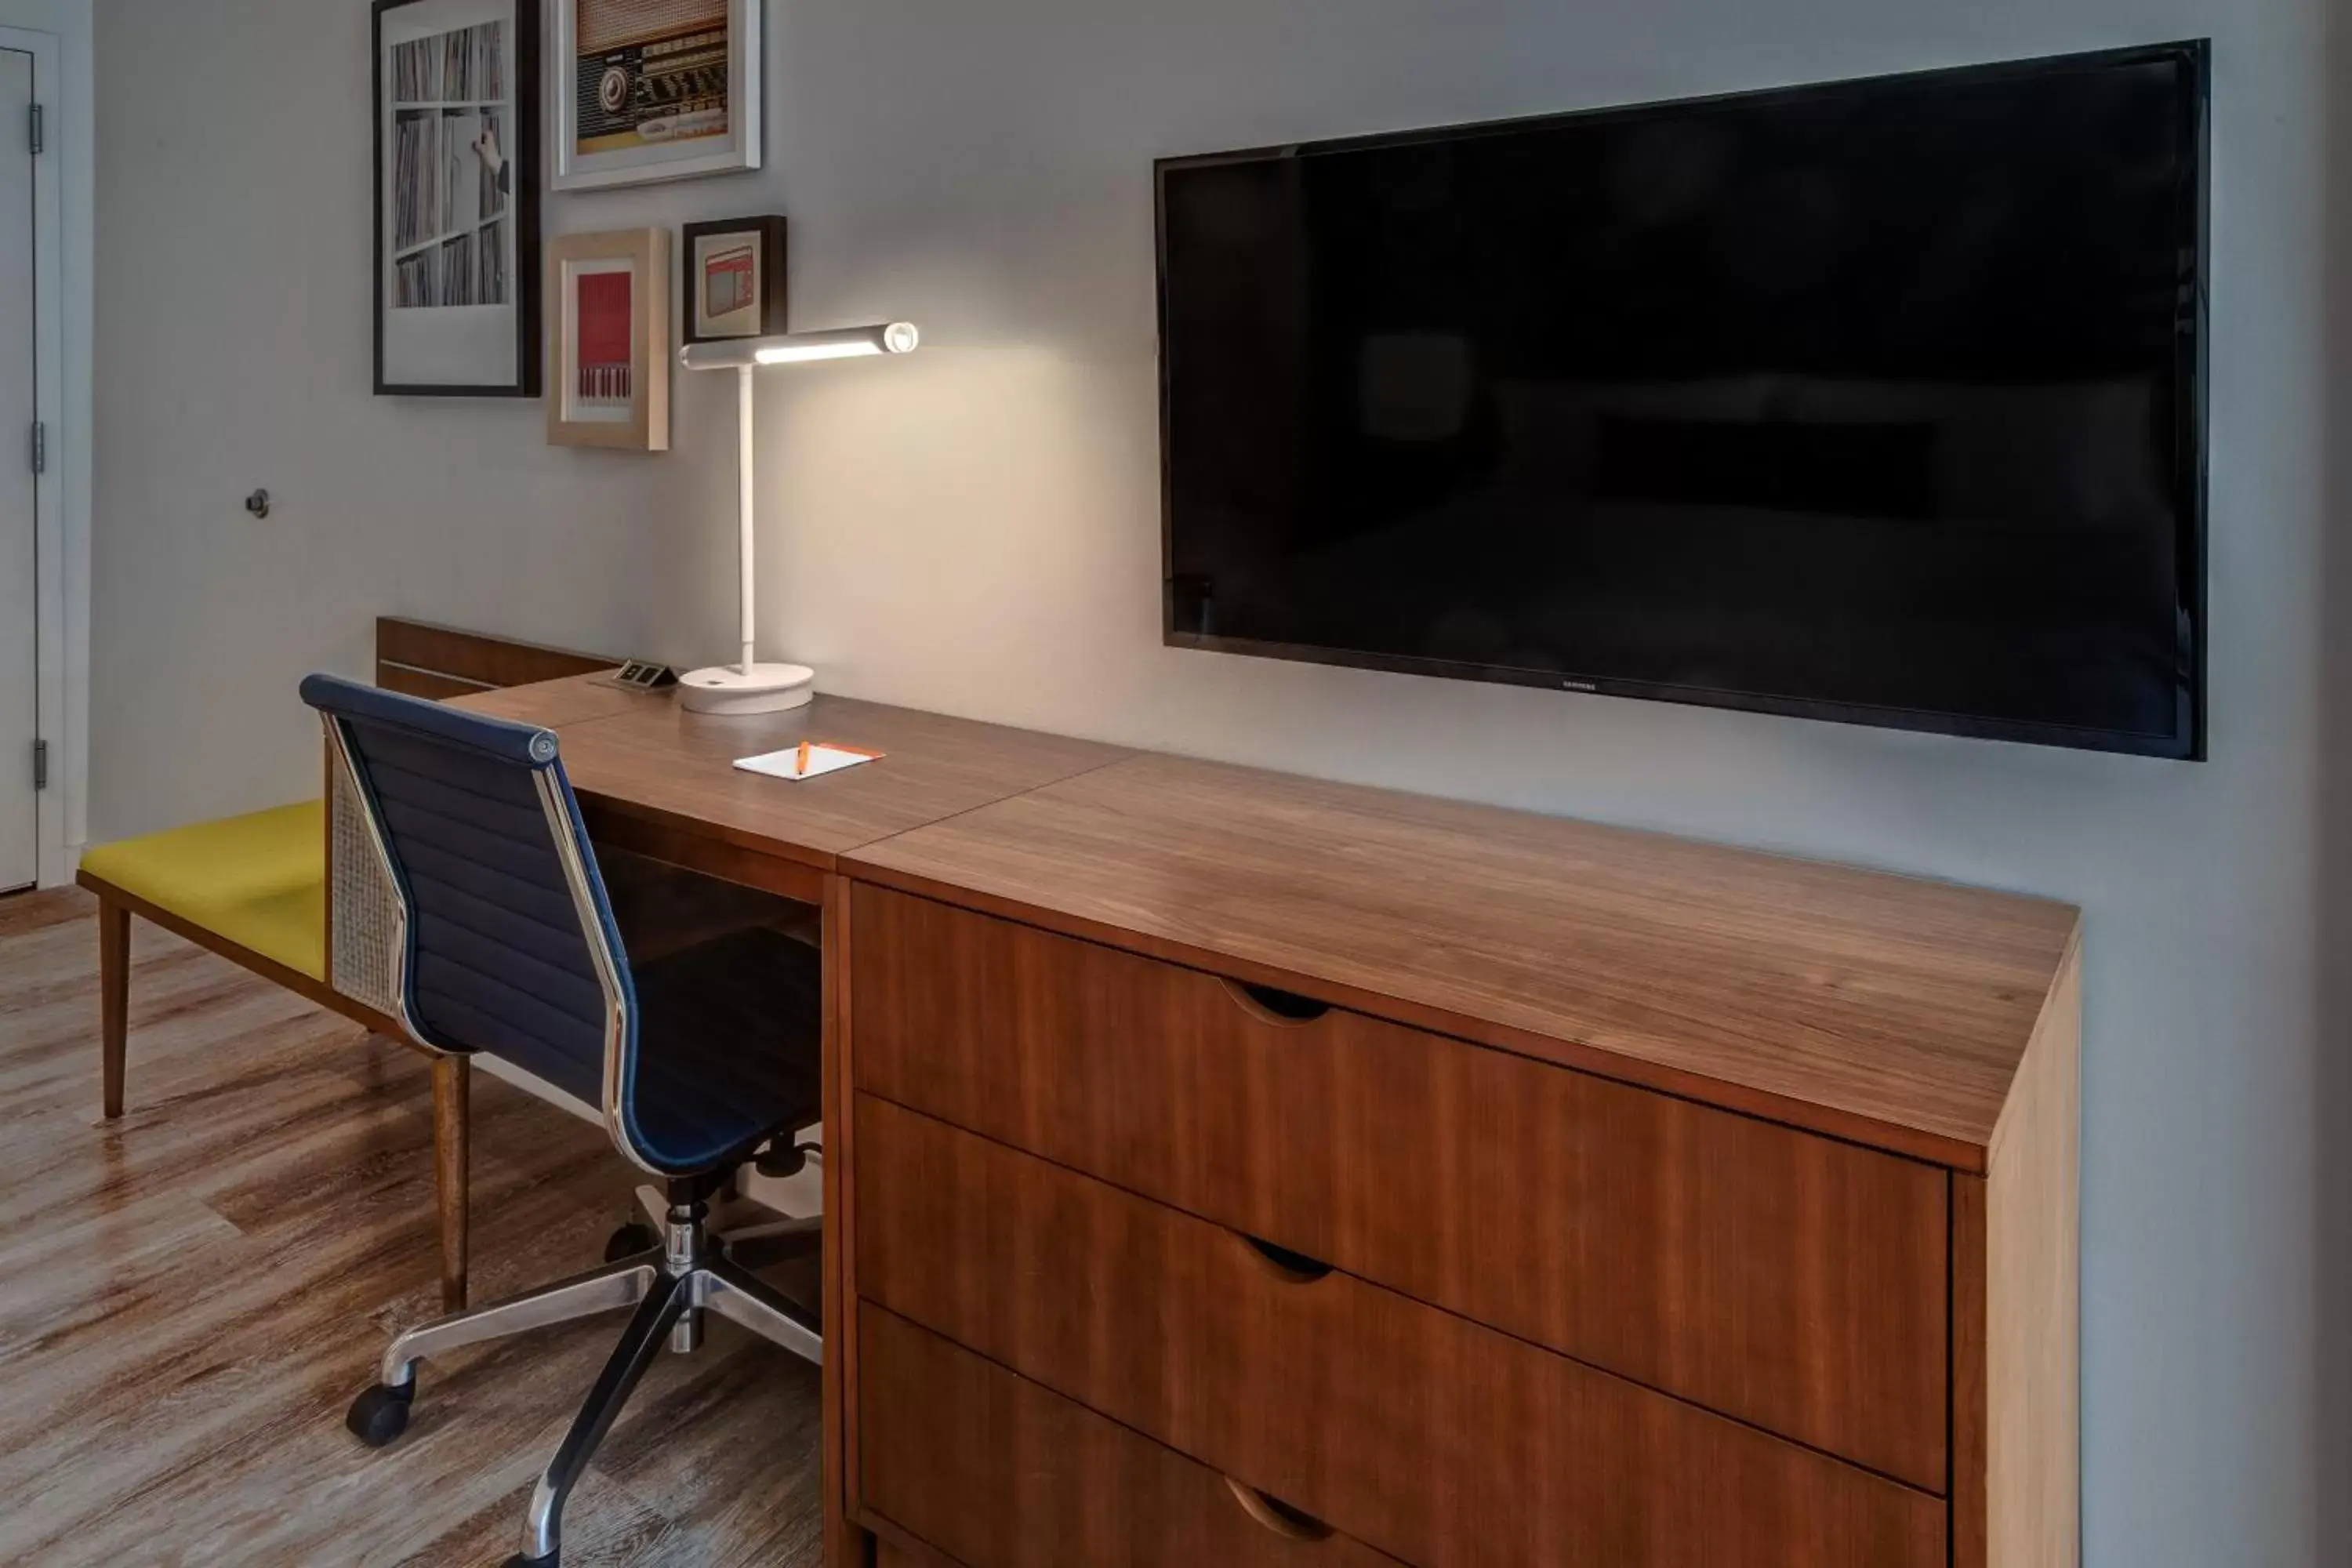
x: 457, y: 135
x: 654, y: 90
x: 734, y: 277
x: 608, y: 339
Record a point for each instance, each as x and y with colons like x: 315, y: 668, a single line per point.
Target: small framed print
x: 734, y: 279
x: 457, y: 198
x: 654, y: 90
x: 608, y: 339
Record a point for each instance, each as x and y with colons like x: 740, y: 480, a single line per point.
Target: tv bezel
x: 2190, y: 483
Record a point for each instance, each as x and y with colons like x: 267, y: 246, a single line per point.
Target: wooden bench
x: 252, y: 889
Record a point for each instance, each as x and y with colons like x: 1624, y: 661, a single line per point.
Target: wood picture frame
x: 655, y: 89
x: 458, y: 130
x: 608, y: 339
x: 733, y: 275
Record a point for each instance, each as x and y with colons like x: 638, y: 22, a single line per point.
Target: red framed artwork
x: 608, y: 336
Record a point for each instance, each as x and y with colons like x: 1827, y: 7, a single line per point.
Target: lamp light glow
x: 750, y: 687
x: 803, y: 348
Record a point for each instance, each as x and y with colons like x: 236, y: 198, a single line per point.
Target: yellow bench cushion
x: 258, y: 881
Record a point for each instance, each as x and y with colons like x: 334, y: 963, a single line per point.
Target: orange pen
x: 800, y: 769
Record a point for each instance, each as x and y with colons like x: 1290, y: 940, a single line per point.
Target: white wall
x: 976, y: 529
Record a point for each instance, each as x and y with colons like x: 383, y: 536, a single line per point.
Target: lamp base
x: 728, y: 691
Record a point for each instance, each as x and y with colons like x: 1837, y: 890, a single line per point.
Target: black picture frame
x: 775, y: 276
x: 524, y: 91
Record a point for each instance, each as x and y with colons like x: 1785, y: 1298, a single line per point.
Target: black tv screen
x: 1879, y: 402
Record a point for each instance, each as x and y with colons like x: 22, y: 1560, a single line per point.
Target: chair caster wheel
x: 380, y: 1414
x: 627, y: 1242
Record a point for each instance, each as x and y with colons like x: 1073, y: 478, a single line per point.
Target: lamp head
x: 803, y: 348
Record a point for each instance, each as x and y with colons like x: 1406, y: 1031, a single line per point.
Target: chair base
x: 669, y: 1289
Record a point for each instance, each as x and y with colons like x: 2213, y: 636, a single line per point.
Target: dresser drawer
x: 1791, y: 1280
x: 999, y: 1473
x: 1446, y: 1443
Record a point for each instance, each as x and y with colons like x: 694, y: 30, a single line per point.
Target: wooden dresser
x: 1236, y: 1169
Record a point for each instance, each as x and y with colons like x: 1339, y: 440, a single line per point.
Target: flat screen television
x: 1880, y: 402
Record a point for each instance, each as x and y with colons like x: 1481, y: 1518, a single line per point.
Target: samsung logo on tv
x: 1578, y: 685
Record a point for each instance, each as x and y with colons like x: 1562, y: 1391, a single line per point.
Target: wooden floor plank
x: 190, y: 1296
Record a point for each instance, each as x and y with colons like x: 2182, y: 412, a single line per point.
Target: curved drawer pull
x: 1269, y: 1006
x: 1292, y: 1267
x: 1290, y: 1523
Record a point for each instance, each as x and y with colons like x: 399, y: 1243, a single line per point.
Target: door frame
x: 60, y: 718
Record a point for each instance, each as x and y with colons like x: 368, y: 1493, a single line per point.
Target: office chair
x: 505, y: 942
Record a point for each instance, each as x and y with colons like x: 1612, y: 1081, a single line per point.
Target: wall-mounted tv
x: 1880, y: 402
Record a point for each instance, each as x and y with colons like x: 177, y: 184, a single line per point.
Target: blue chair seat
x: 723, y: 1033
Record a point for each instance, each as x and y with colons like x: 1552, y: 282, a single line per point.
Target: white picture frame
x: 614, y: 122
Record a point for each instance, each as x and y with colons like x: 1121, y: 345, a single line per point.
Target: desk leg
x: 113, y: 1001
x: 452, y: 1084
x: 845, y: 1545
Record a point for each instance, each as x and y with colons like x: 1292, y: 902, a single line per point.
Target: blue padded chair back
x: 498, y: 955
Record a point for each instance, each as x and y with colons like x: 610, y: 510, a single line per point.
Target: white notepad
x: 824, y: 757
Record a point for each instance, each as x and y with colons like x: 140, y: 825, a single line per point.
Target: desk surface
x: 646, y: 757
x: 1881, y: 1008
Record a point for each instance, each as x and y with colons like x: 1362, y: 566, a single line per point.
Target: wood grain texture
x: 1786, y: 1278
x: 424, y: 683
x: 1880, y: 1008
x: 194, y: 1292
x: 1442, y: 1442
x: 453, y: 1079
x: 471, y: 659
x: 905, y: 1552
x: 618, y: 830
x: 998, y: 1472
x: 1972, y: 1396
x: 113, y: 1002
x: 845, y: 1546
x: 2021, y: 1419
x: 654, y: 761
x: 555, y: 704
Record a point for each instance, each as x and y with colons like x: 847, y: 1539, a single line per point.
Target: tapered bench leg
x: 451, y: 1085
x: 113, y: 1001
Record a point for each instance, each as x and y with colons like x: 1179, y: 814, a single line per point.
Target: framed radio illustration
x: 734, y: 277
x: 457, y: 198
x: 655, y: 89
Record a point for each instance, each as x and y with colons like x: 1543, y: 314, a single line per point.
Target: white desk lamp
x: 748, y: 686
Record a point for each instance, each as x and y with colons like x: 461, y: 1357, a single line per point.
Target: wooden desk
x: 1226, y: 1166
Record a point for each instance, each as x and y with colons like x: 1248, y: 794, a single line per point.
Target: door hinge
x: 39, y: 130
x: 40, y: 765
x: 40, y: 447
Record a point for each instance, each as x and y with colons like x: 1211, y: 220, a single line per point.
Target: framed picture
x: 608, y: 339
x: 457, y: 198
x: 734, y: 279
x: 655, y: 89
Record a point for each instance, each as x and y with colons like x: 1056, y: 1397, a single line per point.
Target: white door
x: 19, y: 605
